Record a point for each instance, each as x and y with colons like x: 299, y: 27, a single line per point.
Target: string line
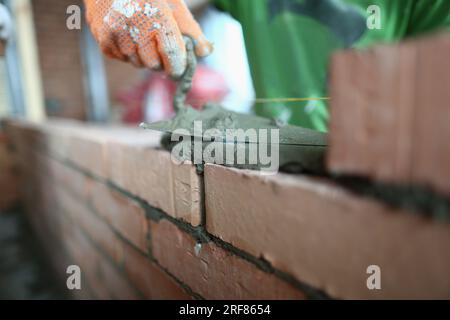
x: 268, y: 100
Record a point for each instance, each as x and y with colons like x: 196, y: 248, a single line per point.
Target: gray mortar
x: 301, y: 150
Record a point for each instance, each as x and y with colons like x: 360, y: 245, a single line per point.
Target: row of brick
x: 306, y: 227
x: 112, y: 267
x: 117, y: 225
x: 127, y: 157
x: 326, y: 236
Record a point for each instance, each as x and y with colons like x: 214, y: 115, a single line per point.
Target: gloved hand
x: 148, y: 33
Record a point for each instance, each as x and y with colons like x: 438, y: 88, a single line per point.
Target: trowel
x: 216, y: 135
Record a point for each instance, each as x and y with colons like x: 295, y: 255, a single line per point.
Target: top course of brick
x: 390, y: 112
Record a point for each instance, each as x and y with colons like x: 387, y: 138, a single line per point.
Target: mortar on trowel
x: 200, y: 136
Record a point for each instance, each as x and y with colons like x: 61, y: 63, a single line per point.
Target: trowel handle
x: 185, y: 83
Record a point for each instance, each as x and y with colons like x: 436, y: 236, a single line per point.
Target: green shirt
x: 289, y: 43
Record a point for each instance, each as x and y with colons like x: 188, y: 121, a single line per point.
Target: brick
x: 130, y: 158
x: 59, y: 258
x: 122, y: 213
x: 97, y: 229
x: 101, y: 276
x: 72, y: 180
x: 149, y: 279
x: 327, y: 237
x: 389, y: 113
x: 432, y: 156
x: 55, y: 192
x: 211, y: 271
x: 81, y: 144
x: 151, y: 175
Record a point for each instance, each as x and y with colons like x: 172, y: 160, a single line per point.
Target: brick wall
x: 110, y: 200
x: 140, y: 226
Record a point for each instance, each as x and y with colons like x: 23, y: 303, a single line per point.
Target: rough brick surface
x: 122, y: 213
x: 144, y: 275
x: 72, y: 235
x: 100, y: 276
x: 211, y: 271
x: 128, y: 157
x: 149, y: 279
x: 389, y: 113
x: 107, y: 229
x: 327, y: 237
x: 151, y: 175
x: 93, y: 226
x: 90, y: 241
x: 306, y: 227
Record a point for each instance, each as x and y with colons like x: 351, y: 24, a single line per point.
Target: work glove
x: 148, y: 33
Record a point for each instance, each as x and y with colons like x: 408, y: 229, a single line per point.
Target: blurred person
x: 289, y: 42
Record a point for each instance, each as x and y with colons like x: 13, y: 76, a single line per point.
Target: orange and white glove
x: 148, y: 33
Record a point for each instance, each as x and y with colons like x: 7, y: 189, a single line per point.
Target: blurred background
x: 65, y: 71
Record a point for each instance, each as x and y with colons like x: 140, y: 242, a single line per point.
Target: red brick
x: 211, y: 271
x: 100, y: 275
x: 149, y: 279
x: 122, y: 213
x: 130, y: 158
x: 151, y: 175
x: 327, y: 237
x: 96, y: 228
x: 88, y: 153
x: 55, y: 249
x: 389, y: 113
x: 431, y: 158
x: 74, y: 181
